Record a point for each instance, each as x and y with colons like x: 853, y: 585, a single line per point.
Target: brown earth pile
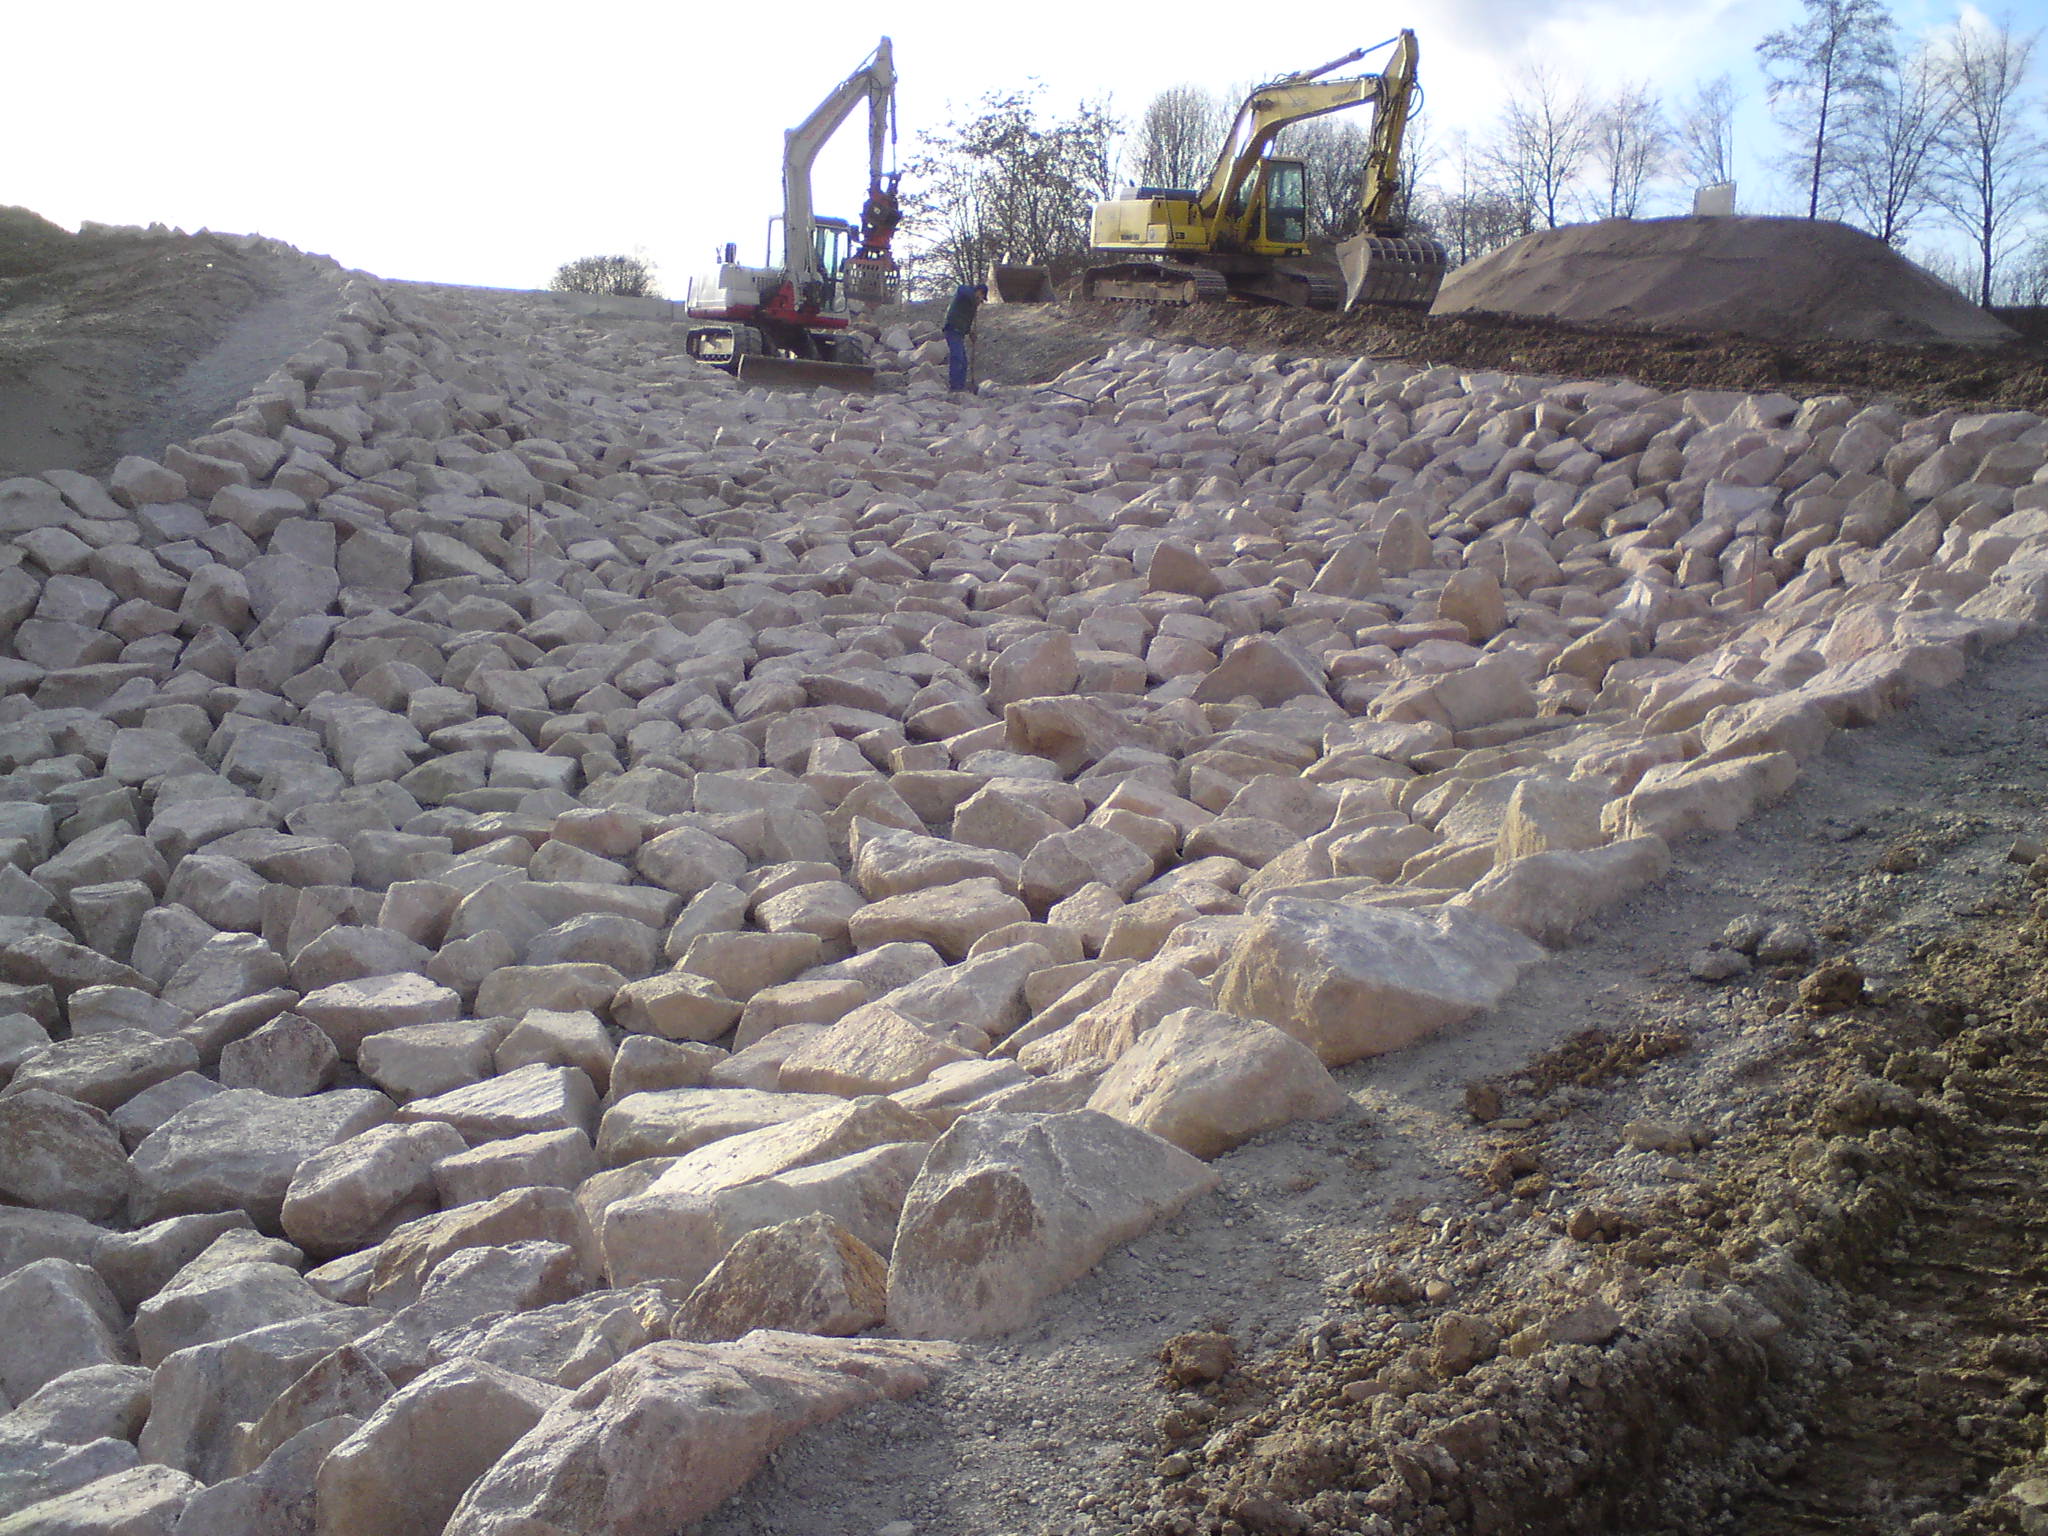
x: 1780, y: 279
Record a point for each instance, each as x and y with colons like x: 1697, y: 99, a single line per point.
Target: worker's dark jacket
x: 960, y: 313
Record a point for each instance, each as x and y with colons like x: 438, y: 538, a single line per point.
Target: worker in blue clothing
x: 959, y: 325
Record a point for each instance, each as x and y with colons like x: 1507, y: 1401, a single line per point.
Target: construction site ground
x: 1024, y: 344
x: 1875, y: 1108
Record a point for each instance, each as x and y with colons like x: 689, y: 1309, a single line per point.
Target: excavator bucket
x: 801, y: 373
x: 1392, y: 269
x: 1019, y: 285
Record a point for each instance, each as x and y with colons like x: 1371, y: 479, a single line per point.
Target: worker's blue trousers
x: 956, y: 360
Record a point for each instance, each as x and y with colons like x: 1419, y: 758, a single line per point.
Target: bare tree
x: 1890, y: 168
x: 618, y: 276
x: 1335, y: 152
x: 1472, y: 215
x: 1541, y: 145
x: 1177, y: 137
x: 1004, y: 185
x: 2026, y: 279
x: 1631, y: 147
x: 1820, y: 77
x: 1706, y: 133
x: 1943, y: 266
x: 1988, y: 177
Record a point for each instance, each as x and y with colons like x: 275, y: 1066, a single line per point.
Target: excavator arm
x: 1382, y: 185
x: 1272, y: 108
x: 875, y: 83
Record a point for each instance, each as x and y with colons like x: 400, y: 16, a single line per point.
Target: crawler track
x: 1951, y: 1311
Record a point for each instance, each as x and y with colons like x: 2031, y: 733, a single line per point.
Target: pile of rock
x: 542, y: 885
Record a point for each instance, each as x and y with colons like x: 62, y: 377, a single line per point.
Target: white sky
x: 487, y: 144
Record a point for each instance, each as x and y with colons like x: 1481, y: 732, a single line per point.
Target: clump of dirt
x: 122, y: 340
x: 1778, y: 278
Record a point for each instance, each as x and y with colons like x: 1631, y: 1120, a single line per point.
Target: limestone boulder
x: 1677, y: 800
x: 104, y: 1070
x: 669, y: 1122
x: 406, y: 1468
x: 680, y: 1005
x: 60, y: 1318
x: 565, y: 1343
x: 948, y: 917
x: 352, y: 1194
x: 525, y: 1102
x: 142, y: 1501
x: 289, y: 1058
x: 1010, y: 1209
x: 805, y: 1276
x: 349, y: 1012
x: 57, y: 1154
x: 679, y: 1427
x: 343, y: 1382
x: 1355, y: 981
x: 199, y: 1397
x: 874, y: 1049
x: 888, y: 862
x: 408, y: 1258
x: 136, y: 1265
x: 240, y: 1150
x: 1269, y: 670
x: 210, y: 1303
x: 1549, y: 895
x: 559, y: 1159
x: 1208, y: 1081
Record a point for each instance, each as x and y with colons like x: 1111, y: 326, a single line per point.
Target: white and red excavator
x: 791, y: 323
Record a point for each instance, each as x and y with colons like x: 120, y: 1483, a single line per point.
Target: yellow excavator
x: 1244, y: 233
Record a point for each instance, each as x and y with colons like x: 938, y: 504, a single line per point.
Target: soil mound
x: 118, y: 341
x: 1780, y: 279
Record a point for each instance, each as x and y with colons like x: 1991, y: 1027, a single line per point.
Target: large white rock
x: 1354, y: 981
x: 668, y: 1122
x: 1548, y: 895
x: 217, y: 1302
x: 352, y: 1194
x: 677, y: 1428
x: 240, y: 1150
x: 405, y: 1469
x: 807, y: 1276
x: 1675, y: 800
x: 1207, y: 1081
x: 200, y: 1397
x: 60, y: 1155
x: 525, y: 1102
x: 60, y: 1318
x: 408, y: 1258
x: 351, y: 1011
x: 142, y: 1501
x: 1009, y: 1209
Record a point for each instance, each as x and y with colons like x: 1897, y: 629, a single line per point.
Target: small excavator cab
x: 1285, y: 192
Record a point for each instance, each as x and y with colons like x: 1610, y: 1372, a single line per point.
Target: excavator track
x: 1154, y: 282
x: 1298, y: 285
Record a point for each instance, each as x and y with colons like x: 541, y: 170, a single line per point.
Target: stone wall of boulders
x: 541, y: 892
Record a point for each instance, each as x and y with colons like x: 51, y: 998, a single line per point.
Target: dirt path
x: 1333, y: 1254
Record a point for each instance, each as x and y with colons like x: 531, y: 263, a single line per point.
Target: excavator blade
x: 1019, y: 285
x: 800, y: 373
x: 1392, y: 269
